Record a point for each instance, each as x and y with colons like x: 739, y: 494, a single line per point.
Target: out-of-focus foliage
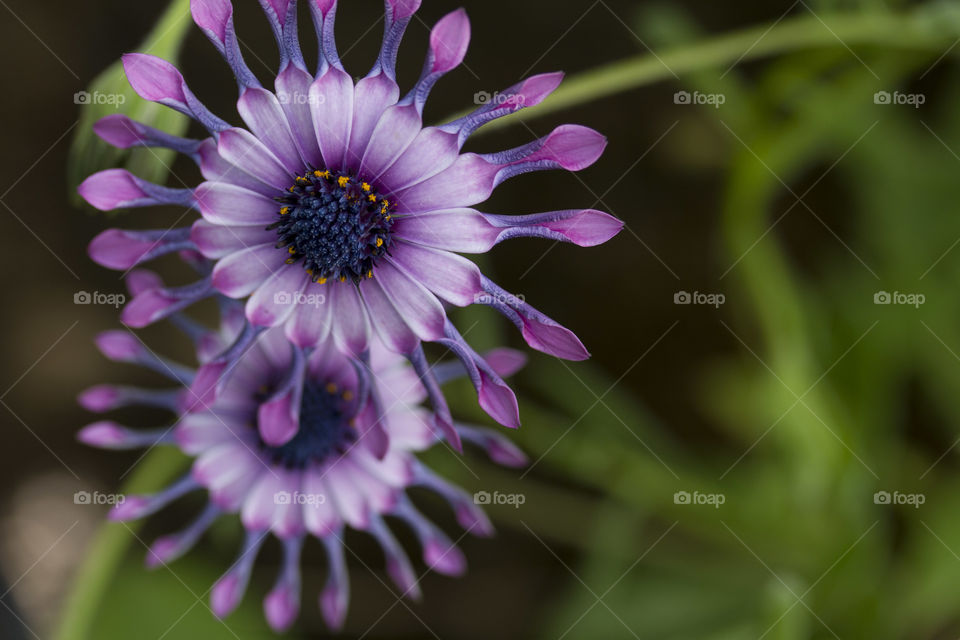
x: 820, y: 403
x: 817, y: 400
x: 110, y: 93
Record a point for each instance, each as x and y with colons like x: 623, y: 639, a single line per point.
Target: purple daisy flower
x: 349, y: 464
x: 338, y: 189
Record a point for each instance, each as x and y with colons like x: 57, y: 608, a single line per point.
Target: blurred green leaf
x: 105, y: 556
x: 174, y: 603
x: 110, y: 93
x: 930, y: 28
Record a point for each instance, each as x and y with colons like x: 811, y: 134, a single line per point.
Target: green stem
x: 109, y: 548
x: 925, y: 29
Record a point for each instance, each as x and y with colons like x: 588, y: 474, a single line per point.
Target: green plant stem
x: 108, y: 549
x: 924, y: 29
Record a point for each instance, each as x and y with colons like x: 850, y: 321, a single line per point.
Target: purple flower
x: 349, y: 463
x: 337, y: 190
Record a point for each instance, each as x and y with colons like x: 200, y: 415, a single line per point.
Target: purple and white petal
x: 331, y: 97
x: 120, y: 189
x: 263, y: 114
x: 242, y: 148
x: 453, y: 278
x: 226, y: 204
x: 241, y: 273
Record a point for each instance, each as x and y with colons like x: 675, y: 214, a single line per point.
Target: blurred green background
x: 774, y: 460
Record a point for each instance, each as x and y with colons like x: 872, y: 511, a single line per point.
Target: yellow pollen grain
x: 369, y: 274
x: 379, y: 242
x: 348, y: 395
x: 292, y: 250
x: 343, y: 278
x: 284, y: 211
x: 366, y: 187
x: 331, y: 388
x: 343, y: 181
x: 372, y: 198
x: 321, y: 281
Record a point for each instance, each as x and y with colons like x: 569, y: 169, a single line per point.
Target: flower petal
x: 449, y: 41
x: 374, y: 95
x: 241, y: 148
x: 389, y: 324
x: 331, y: 96
x: 396, y: 129
x: 239, y: 274
x: 452, y: 277
x: 226, y: 204
x: 351, y: 327
x: 262, y: 112
x: 277, y: 297
x: 432, y: 151
x: 310, y: 324
x: 215, y: 168
x: 293, y: 92
x: 216, y: 241
x: 419, y: 308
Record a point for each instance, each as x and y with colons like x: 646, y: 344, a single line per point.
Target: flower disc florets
x: 336, y: 224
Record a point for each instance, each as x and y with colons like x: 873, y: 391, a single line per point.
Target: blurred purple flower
x: 348, y: 465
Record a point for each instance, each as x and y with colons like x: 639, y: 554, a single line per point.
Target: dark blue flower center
x: 335, y: 224
x: 326, y: 427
